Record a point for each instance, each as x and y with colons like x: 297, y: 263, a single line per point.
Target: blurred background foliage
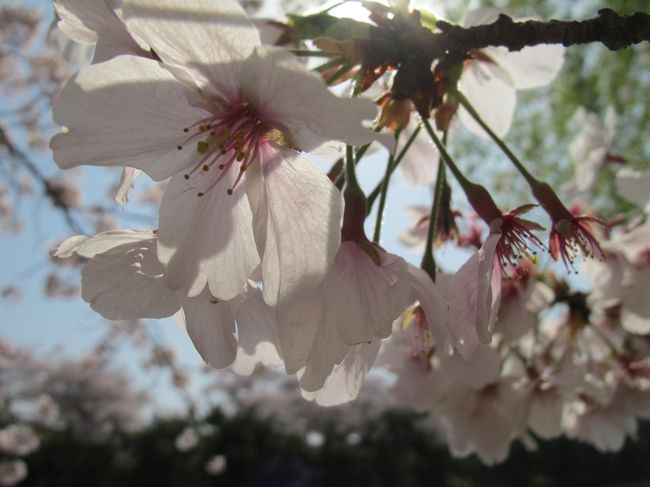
x: 392, y: 449
x: 544, y: 125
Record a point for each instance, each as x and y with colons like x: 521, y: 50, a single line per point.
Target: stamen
x: 202, y: 147
x: 228, y: 140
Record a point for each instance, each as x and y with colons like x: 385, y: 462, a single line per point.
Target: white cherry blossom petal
x: 125, y: 112
x: 206, y: 39
x: 344, y: 383
x: 635, y: 306
x: 97, y: 22
x: 81, y: 19
x: 545, y: 416
x: 281, y: 88
x: 88, y: 247
x: 207, y: 239
x: 211, y: 326
x: 493, y: 98
x: 473, y: 300
x: 420, y: 163
x: 365, y: 298
x: 482, y: 16
x: 257, y: 335
x: 328, y: 349
x: 532, y: 66
x: 297, y: 326
x: 297, y: 212
x: 126, y: 282
x: 633, y: 186
x: 129, y: 175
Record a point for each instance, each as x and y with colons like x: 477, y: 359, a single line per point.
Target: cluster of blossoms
x: 83, y: 396
x: 267, y: 262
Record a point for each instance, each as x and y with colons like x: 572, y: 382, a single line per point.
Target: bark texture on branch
x: 609, y: 28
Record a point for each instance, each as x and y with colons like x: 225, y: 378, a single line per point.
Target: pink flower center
x: 517, y: 241
x: 228, y: 141
x: 422, y: 339
x: 568, y: 237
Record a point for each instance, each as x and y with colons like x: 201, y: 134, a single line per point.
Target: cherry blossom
x: 493, y: 75
x: 361, y: 296
x: 12, y: 472
x: 591, y: 148
x: 603, y: 425
x: 622, y: 279
x: 420, y: 163
x: 570, y: 233
x: 99, y: 23
x: 187, y: 439
x: 522, y: 299
x: 216, y: 465
x: 124, y: 280
x: 18, y: 440
x: 238, y: 186
x: 481, y: 411
x: 476, y: 287
x: 633, y: 186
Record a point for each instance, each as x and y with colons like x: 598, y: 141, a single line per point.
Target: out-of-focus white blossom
x: 18, y: 439
x: 592, y: 147
x: 187, y: 439
x: 12, y: 472
x: 216, y: 465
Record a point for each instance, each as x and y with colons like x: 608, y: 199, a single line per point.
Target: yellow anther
x: 530, y: 257
x: 277, y: 137
x: 202, y: 147
x: 205, y: 168
x: 408, y: 317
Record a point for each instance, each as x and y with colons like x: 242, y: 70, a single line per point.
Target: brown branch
x: 608, y: 28
x: 54, y: 196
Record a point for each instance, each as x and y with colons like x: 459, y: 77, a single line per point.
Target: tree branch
x: 609, y: 28
x: 53, y: 195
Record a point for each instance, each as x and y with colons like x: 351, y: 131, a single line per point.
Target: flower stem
x: 497, y: 140
x: 355, y: 211
x: 375, y: 192
x: 384, y: 193
x: 351, y: 181
x: 428, y: 259
x: 465, y: 183
x: 335, y: 173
